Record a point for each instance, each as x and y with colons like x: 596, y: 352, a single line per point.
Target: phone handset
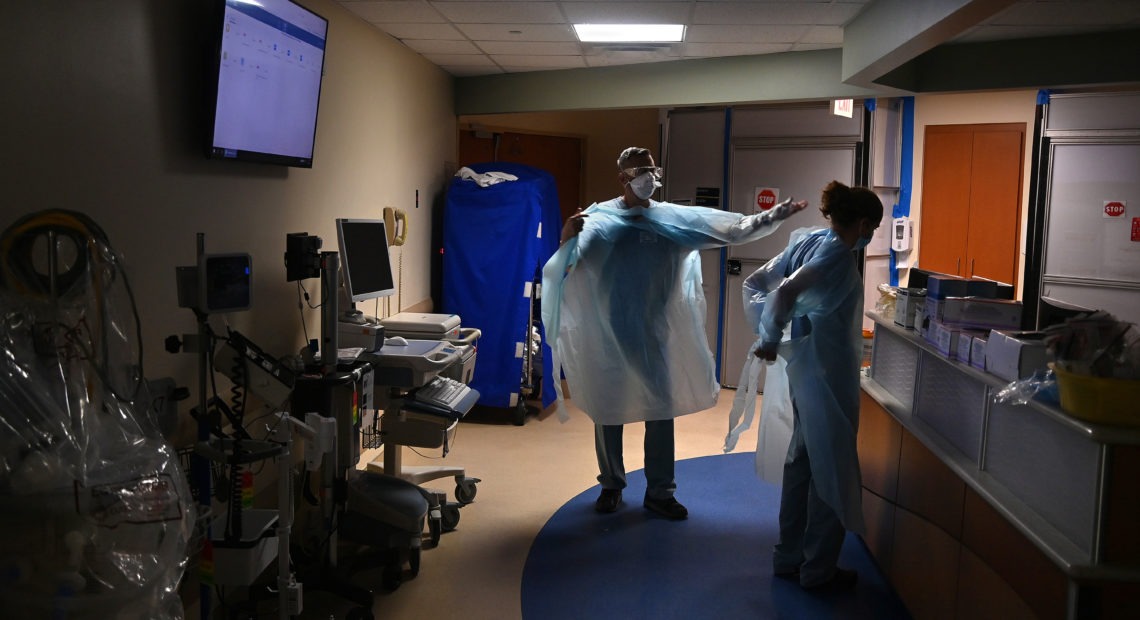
x: 396, y: 223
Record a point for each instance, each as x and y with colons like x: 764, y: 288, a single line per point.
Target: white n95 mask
x: 643, y: 185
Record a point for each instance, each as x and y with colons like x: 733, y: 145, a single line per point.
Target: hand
x: 768, y: 355
x: 778, y: 213
x: 573, y: 226
x: 785, y: 210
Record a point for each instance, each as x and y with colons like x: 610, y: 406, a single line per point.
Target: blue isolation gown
x: 623, y: 305
x: 815, y: 314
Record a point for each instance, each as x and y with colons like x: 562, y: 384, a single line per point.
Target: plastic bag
x: 1042, y: 386
x: 95, y: 510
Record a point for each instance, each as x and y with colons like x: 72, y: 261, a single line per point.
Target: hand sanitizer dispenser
x: 901, y: 230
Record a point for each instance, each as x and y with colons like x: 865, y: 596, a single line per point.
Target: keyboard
x: 447, y: 395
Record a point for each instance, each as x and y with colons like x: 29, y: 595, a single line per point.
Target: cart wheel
x: 435, y: 527
x: 414, y: 561
x: 450, y: 518
x: 465, y: 491
x: 519, y: 416
x: 393, y: 577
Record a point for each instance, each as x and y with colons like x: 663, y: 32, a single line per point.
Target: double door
x: 718, y: 158
x: 800, y: 169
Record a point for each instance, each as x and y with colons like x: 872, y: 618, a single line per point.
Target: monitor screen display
x: 269, y: 64
x: 365, y: 267
x: 226, y: 282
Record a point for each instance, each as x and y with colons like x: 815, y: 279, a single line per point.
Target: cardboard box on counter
x: 966, y: 345
x: 1014, y: 355
x: 978, y: 351
x: 941, y: 286
x: 945, y: 338
x: 975, y: 312
x: 905, y: 301
x: 921, y: 320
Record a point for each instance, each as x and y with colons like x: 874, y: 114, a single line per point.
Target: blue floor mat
x: 717, y: 563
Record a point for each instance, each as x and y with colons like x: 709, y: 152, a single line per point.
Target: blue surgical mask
x: 862, y: 242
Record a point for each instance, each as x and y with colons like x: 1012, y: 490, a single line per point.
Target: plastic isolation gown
x: 815, y: 313
x: 623, y: 305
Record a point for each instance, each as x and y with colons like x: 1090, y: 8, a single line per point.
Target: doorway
x: 561, y: 156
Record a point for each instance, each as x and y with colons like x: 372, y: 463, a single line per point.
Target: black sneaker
x: 608, y: 501
x: 790, y: 575
x: 669, y: 508
x: 842, y: 579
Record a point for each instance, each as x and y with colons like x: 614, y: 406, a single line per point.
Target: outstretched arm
x: 778, y: 213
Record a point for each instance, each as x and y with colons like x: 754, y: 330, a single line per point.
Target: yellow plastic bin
x: 1101, y: 400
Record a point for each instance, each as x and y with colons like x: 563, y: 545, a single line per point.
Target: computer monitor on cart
x: 365, y: 266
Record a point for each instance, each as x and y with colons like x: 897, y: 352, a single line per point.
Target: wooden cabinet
x: 946, y: 552
x: 971, y: 200
x: 985, y: 509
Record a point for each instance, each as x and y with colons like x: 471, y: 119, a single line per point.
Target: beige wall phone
x: 396, y: 225
x: 396, y: 220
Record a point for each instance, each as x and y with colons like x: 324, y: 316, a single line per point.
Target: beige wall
x: 966, y: 109
x: 103, y: 115
x: 604, y: 134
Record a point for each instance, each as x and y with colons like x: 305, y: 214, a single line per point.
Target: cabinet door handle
x: 971, y: 267
x: 958, y: 265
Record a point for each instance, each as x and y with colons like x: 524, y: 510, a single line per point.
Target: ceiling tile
x: 744, y: 34
x: 758, y: 12
x: 518, y: 32
x: 436, y: 46
x: 471, y: 71
x: 424, y: 31
x: 561, y: 62
x: 627, y: 12
x: 395, y: 11
x: 630, y: 58
x: 529, y: 35
x: 475, y: 12
x: 460, y: 60
x: 530, y: 48
x: 705, y: 50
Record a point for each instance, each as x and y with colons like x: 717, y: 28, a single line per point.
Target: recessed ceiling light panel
x: 629, y: 33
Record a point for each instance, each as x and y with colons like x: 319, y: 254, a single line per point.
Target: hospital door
x: 799, y: 170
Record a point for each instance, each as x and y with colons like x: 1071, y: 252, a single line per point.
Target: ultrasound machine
x: 384, y: 391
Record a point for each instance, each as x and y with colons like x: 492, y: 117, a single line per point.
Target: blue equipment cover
x: 495, y: 241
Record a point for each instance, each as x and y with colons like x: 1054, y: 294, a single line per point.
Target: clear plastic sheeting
x: 624, y: 306
x: 1096, y: 344
x: 95, y: 511
x: 1042, y: 385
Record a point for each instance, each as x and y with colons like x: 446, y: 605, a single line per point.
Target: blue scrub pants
x: 811, y: 533
x: 659, y: 481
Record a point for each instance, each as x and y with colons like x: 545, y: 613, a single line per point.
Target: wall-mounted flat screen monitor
x: 365, y: 266
x: 266, y: 81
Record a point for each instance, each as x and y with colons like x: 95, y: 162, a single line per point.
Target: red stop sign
x: 1113, y: 209
x: 766, y: 199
